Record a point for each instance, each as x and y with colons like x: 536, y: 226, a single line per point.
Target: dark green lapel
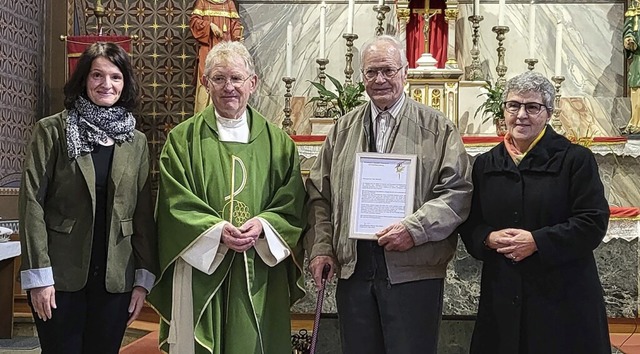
x: 85, y: 162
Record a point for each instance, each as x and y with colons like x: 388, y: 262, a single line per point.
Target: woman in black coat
x: 537, y: 214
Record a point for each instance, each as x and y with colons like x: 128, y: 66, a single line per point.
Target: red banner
x: 77, y: 44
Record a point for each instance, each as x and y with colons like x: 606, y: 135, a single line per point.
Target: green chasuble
x: 243, y: 306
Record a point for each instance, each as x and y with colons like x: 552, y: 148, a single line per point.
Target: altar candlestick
x: 532, y: 29
x: 289, y: 48
x: 558, y: 49
x: 350, y: 16
x: 323, y: 28
x: 501, y: 5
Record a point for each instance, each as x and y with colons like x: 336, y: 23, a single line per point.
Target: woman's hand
x: 43, y: 300
x: 137, y: 301
x: 494, y: 240
x: 516, y: 244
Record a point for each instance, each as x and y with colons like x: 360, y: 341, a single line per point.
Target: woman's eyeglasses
x: 532, y: 108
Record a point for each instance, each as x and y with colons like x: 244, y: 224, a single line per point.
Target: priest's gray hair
x: 226, y: 52
x: 388, y: 39
x: 531, y: 81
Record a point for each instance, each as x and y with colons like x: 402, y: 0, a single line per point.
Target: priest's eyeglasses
x: 532, y: 108
x: 387, y: 73
x: 220, y: 81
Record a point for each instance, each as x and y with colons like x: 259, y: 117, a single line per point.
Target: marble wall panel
x: 620, y: 176
x: 462, y: 284
x: 618, y: 268
x: 592, y: 59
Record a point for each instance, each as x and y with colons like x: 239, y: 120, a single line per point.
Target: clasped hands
x: 514, y: 244
x: 394, y: 237
x: 241, y: 238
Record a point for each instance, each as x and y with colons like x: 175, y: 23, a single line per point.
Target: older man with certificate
x: 385, y: 221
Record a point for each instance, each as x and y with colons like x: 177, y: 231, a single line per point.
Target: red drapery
x: 438, y: 33
x: 77, y: 44
x: 624, y: 212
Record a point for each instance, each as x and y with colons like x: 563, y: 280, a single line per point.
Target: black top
x: 102, y: 159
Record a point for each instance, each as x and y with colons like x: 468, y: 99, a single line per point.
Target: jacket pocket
x: 127, y: 227
x: 59, y: 223
x: 429, y: 254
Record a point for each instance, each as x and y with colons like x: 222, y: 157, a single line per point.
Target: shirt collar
x: 393, y: 110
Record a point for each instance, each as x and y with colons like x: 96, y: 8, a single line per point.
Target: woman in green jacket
x: 86, y: 219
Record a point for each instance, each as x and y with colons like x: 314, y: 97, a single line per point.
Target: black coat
x: 552, y: 301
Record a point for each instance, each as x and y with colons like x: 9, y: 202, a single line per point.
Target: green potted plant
x: 347, y: 98
x: 492, y: 108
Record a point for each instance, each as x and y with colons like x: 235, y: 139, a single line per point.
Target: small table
x: 8, y: 252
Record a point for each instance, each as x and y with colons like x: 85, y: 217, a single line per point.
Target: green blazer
x: 57, y: 208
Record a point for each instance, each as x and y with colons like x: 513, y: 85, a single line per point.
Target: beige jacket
x: 442, y: 195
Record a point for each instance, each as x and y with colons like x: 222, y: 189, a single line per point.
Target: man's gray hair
x: 225, y: 52
x: 531, y: 81
x: 388, y: 39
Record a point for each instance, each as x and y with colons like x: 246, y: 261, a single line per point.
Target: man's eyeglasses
x: 387, y: 73
x: 221, y: 81
x: 532, y: 108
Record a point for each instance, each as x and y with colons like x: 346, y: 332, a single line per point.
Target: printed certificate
x: 382, y: 191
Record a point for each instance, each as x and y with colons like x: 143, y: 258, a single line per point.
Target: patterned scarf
x: 514, y: 152
x: 89, y: 124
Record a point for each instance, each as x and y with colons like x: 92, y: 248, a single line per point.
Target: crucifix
x: 427, y: 13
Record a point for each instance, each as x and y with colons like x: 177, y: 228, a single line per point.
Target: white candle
x: 380, y: 2
x: 476, y: 7
x: 323, y: 12
x: 289, y: 48
x: 501, y: 4
x: 532, y: 29
x: 350, y: 16
x: 559, y: 49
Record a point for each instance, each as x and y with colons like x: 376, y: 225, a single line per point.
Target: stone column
x: 402, y: 12
x: 451, y: 15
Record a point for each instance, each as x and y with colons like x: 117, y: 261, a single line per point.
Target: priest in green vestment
x: 229, y: 215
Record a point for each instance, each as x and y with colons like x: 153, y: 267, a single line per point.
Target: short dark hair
x: 77, y: 84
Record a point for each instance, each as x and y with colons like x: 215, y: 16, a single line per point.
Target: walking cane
x: 319, y: 300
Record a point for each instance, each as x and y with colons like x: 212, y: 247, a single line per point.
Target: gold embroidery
x: 215, y: 13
